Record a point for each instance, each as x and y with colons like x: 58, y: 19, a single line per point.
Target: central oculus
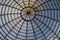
x: 28, y: 10
x: 28, y: 14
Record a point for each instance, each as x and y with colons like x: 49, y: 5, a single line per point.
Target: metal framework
x: 29, y: 19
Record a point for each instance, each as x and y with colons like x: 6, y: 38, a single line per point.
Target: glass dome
x: 29, y: 19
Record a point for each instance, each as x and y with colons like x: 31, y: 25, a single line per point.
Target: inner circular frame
x: 27, y: 11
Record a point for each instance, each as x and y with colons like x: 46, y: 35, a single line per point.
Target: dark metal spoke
x: 34, y: 3
x: 9, y: 6
x: 17, y: 3
x: 40, y: 30
x: 33, y: 31
x: 9, y: 14
x: 26, y: 30
x: 47, y: 26
x: 29, y: 3
x: 11, y: 21
x: 46, y: 10
x: 12, y: 28
x: 23, y: 2
x: 19, y: 30
x: 47, y: 17
x: 42, y: 4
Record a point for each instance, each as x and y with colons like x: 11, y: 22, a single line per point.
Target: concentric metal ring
x: 27, y: 14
